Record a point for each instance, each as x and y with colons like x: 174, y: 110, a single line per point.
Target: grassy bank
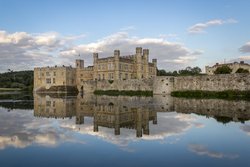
x: 123, y: 92
x: 228, y: 94
x: 9, y: 89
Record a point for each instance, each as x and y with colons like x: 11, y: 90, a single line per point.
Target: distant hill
x: 17, y: 79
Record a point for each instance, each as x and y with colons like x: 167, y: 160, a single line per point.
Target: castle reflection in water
x: 134, y: 112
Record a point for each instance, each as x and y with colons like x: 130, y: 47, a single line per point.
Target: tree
x: 190, y: 71
x: 242, y: 70
x: 223, y: 70
x: 161, y: 72
x: 196, y: 70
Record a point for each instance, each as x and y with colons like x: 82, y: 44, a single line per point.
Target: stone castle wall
x: 130, y: 84
x: 167, y: 84
x: 213, y: 82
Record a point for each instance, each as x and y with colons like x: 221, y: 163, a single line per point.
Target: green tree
x: 161, y: 72
x: 242, y: 70
x: 190, y: 71
x: 223, y: 70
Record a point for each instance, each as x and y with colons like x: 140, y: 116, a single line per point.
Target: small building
x: 234, y: 66
x: 115, y: 67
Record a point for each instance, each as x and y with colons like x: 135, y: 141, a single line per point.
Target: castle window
x: 48, y: 103
x: 48, y: 81
x: 54, y: 80
x: 126, y: 76
x: 110, y: 66
x: 54, y: 73
x: 42, y: 74
x: 81, y: 75
x: 103, y: 76
x: 99, y: 67
x: 126, y: 67
x: 47, y: 74
x: 120, y: 76
x: 112, y: 76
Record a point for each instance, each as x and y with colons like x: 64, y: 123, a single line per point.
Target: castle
x: 116, y: 67
x: 234, y: 66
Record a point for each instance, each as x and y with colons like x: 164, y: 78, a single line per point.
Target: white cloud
x: 202, y: 150
x: 200, y: 27
x: 244, y: 57
x: 246, y: 129
x: 21, y: 50
x: 169, y: 54
x: 245, y: 48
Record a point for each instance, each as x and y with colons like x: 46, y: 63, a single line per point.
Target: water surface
x: 89, y: 130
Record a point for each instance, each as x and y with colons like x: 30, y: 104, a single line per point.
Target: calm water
x: 90, y: 130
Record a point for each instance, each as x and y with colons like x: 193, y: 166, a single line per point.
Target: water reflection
x: 156, y: 129
x: 222, y: 110
x: 135, y: 112
x: 111, y: 112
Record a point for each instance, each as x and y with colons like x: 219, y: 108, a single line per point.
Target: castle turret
x: 145, y: 63
x: 95, y: 57
x: 139, y: 62
x: 79, y: 63
x: 155, y: 65
x: 117, y: 57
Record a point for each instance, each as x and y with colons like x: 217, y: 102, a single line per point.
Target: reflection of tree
x: 222, y: 119
x: 17, y: 101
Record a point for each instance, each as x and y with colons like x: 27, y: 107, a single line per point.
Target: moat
x: 89, y: 130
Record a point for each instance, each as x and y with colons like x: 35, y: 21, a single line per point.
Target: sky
x: 179, y: 33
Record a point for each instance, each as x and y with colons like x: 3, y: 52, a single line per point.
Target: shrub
x: 223, y: 70
x: 242, y: 70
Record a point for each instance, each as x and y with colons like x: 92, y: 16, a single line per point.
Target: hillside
x: 17, y: 79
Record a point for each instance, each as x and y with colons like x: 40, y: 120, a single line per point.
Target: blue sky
x: 178, y: 33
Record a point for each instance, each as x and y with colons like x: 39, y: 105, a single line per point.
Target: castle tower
x: 155, y: 65
x: 117, y: 70
x: 79, y: 63
x: 138, y: 56
x: 95, y: 64
x: 145, y: 63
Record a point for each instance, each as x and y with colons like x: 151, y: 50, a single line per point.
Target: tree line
x: 17, y: 79
x: 197, y: 71
x: 183, y: 72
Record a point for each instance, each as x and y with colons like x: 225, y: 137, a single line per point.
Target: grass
x: 123, y: 92
x: 228, y: 94
x: 9, y: 89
